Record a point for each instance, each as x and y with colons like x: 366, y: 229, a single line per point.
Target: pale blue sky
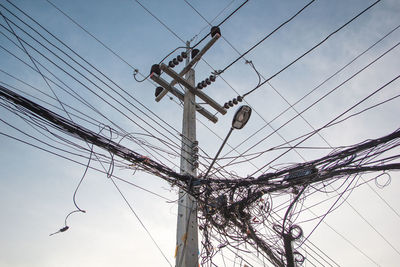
x: 36, y: 188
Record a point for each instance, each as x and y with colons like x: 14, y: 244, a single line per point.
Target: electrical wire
x: 267, y: 36
x: 93, y: 91
x: 333, y: 120
x: 82, y: 57
x: 320, y: 84
x: 79, y: 163
x: 312, y: 48
x: 140, y: 221
x: 291, y: 148
x: 222, y: 22
x: 321, y: 98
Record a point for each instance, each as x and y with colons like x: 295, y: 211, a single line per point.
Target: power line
x: 92, y: 121
x: 112, y: 97
x: 267, y: 36
x: 228, y: 191
x: 322, y: 83
x: 291, y: 106
x: 312, y: 48
x: 85, y: 30
x: 206, y: 35
x: 140, y: 221
x: 159, y: 20
x: 82, y: 164
x: 324, y: 96
x: 69, y: 88
x: 333, y: 169
x: 47, y: 83
x: 339, y: 195
x: 87, y: 69
x: 203, y: 39
x: 111, y: 177
x: 259, y: 76
x: 222, y: 22
x: 331, y: 147
x: 70, y: 49
x: 102, y: 99
x: 333, y: 120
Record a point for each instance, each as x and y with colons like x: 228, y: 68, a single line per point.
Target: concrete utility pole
x: 187, y: 247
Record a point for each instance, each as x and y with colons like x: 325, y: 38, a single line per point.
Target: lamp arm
x: 219, y: 151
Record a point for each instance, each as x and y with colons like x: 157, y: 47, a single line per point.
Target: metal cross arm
x: 156, y: 78
x: 200, y: 54
x: 191, y: 64
x: 198, y: 93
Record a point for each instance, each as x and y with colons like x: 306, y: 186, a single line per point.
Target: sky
x: 117, y: 37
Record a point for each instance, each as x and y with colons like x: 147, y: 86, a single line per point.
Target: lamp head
x: 241, y: 117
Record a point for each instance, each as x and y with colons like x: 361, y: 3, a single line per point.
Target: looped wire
x: 298, y: 257
x: 386, y: 183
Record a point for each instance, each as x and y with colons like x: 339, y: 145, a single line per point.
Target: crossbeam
x: 180, y: 96
x: 190, y: 65
x: 192, y: 89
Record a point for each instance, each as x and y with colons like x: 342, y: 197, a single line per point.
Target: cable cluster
x: 233, y: 211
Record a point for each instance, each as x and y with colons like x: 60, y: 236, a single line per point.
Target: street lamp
x: 240, y: 119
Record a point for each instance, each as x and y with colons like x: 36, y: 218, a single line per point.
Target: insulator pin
x: 158, y: 91
x: 195, y: 52
x: 156, y: 69
x: 215, y: 30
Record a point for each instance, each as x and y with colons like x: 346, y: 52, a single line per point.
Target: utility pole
x: 187, y: 247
